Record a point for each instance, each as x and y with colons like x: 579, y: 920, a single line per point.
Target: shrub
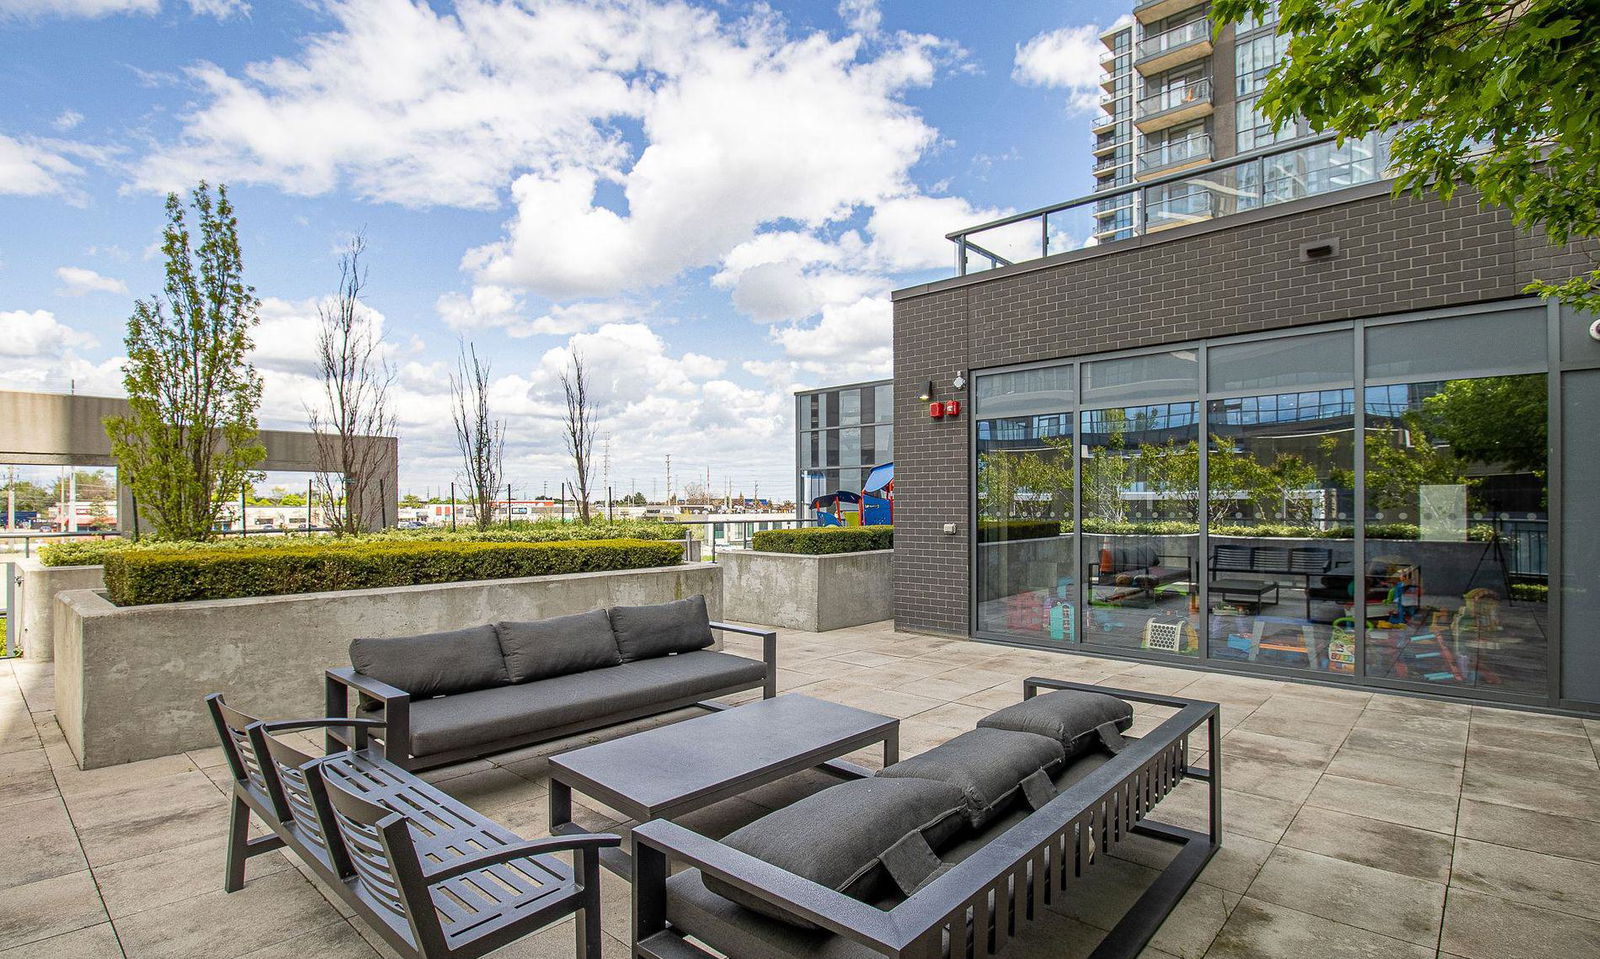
x: 822, y: 540
x: 999, y: 530
x: 141, y: 576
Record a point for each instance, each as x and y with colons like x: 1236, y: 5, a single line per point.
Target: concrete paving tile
x: 1276, y: 749
x: 85, y: 784
x: 37, y: 841
x: 1507, y: 789
x: 1573, y: 769
x: 90, y: 942
x: 1419, y: 726
x: 338, y: 940
x: 1396, y: 804
x: 1236, y: 864
x: 1525, y: 829
x: 1380, y: 767
x: 1399, y: 743
x: 957, y: 717
x: 173, y: 875
x: 1270, y: 779
x: 1326, y: 694
x: 1264, y: 930
x: 1387, y: 903
x: 1418, y: 706
x: 1533, y: 739
x: 1549, y: 882
x: 270, y: 910
x: 1292, y: 708
x: 183, y: 810
x: 1371, y: 842
x: 1526, y: 720
x: 1477, y: 926
x: 483, y: 789
x: 1299, y: 728
x: 26, y: 776
x: 48, y: 908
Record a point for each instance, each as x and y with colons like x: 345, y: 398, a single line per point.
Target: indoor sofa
x: 950, y: 853
x: 446, y: 697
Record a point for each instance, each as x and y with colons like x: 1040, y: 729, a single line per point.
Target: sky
x: 709, y: 201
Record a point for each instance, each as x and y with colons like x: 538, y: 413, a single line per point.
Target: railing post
x: 961, y: 255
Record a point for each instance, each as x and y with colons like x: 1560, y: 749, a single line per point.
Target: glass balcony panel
x: 1194, y: 31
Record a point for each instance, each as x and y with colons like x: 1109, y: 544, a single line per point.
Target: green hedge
x: 1001, y: 530
x: 94, y: 552
x: 143, y: 576
x: 821, y: 540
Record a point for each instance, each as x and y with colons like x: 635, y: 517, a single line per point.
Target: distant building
x: 841, y: 432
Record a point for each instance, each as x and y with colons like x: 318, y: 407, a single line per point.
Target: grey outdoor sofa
x: 951, y: 853
x: 446, y: 697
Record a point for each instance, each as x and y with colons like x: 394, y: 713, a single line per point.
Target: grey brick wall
x: 1395, y: 256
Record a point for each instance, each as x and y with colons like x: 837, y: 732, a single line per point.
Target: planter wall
x: 130, y: 681
x: 36, y: 599
x: 813, y: 593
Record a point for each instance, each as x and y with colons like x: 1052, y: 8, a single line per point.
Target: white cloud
x: 862, y: 16
x: 35, y: 167
x: 91, y: 9
x: 908, y: 232
x: 37, y: 334
x: 67, y: 120
x: 221, y: 9
x: 1066, y: 59
x: 79, y: 281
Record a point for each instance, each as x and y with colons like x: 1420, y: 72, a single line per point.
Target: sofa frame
x: 982, y: 902
x: 396, y: 710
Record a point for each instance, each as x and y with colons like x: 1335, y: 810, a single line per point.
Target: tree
x: 189, y: 442
x: 30, y: 497
x: 1497, y: 95
x: 355, y: 399
x: 1492, y: 420
x: 480, y: 438
x: 579, y: 431
x: 411, y: 501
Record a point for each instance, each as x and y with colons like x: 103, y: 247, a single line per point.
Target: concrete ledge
x: 36, y: 597
x: 813, y: 593
x: 130, y: 681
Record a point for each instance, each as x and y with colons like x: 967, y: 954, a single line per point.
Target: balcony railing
x: 1175, y: 152
x: 1109, y: 162
x: 1277, y: 174
x: 1193, y: 32
x: 1175, y: 97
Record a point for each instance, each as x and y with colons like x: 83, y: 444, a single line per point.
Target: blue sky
x: 709, y: 201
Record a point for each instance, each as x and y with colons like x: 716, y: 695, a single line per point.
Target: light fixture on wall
x: 960, y: 381
x: 927, y: 394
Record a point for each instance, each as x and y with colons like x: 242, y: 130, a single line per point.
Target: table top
x: 698, y: 758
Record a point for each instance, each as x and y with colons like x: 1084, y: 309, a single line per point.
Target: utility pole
x: 11, y: 497
x: 669, y: 480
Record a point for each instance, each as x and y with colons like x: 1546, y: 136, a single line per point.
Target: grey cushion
x: 474, y: 719
x: 558, y: 646
x: 987, y: 765
x: 734, y: 930
x: 646, y: 631
x: 434, y: 664
x: 1068, y: 716
x: 837, y: 837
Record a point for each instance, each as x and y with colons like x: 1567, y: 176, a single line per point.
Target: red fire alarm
x: 936, y: 410
x: 952, y: 407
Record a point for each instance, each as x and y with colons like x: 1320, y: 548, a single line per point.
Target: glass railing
x: 1173, y: 97
x: 1278, y: 174
x: 1108, y: 162
x: 1168, y: 154
x: 1191, y: 32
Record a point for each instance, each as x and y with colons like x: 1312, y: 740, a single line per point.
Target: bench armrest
x: 396, y: 703
x: 796, y: 895
x: 769, y: 652
x: 359, y: 729
x: 584, y: 842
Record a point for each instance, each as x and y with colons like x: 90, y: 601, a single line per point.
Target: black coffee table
x: 678, y: 768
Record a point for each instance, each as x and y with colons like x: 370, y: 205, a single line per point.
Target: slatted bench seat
x: 429, y: 874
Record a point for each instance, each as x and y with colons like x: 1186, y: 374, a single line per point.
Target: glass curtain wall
x: 1025, y: 488
x: 1387, y: 522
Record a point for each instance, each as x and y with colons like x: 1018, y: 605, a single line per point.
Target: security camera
x: 1594, y: 330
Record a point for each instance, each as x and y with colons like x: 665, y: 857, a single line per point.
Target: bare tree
x: 355, y: 401
x: 481, y: 439
x: 580, y: 431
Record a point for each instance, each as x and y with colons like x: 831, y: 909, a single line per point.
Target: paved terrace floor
x: 1358, y: 824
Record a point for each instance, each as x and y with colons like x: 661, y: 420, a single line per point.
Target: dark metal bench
x: 378, y: 698
x: 986, y: 899
x: 430, y: 875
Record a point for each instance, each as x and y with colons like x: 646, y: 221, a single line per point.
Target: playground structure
x: 873, y: 506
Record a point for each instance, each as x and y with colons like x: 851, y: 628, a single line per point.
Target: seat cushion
x: 1069, y: 716
x: 987, y: 765
x: 555, y: 647
x: 837, y: 837
x: 646, y: 631
x: 434, y: 664
x: 478, y: 718
x: 733, y: 930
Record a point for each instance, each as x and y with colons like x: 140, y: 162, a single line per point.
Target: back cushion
x: 987, y: 765
x: 837, y: 837
x: 646, y: 631
x: 1069, y: 716
x: 434, y: 664
x: 556, y: 647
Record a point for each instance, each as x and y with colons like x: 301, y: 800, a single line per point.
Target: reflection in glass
x: 1025, y: 560
x: 1281, y: 542
x: 1140, y: 504
x: 1457, y: 526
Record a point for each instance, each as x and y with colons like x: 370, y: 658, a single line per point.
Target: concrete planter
x: 130, y: 681
x: 36, y: 601
x: 813, y: 593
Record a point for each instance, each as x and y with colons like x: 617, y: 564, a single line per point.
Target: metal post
x: 452, y: 507
x: 244, y: 492
x: 133, y: 500
x: 563, y: 501
x: 309, y: 524
x: 11, y: 608
x: 608, y: 504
